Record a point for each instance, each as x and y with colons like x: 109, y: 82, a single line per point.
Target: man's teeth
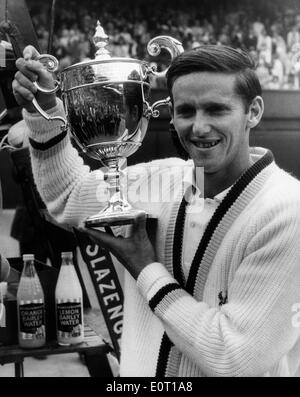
x: 207, y: 145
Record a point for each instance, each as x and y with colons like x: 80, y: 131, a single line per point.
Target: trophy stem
x: 118, y: 210
x: 117, y: 200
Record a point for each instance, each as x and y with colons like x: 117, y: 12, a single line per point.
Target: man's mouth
x: 207, y: 145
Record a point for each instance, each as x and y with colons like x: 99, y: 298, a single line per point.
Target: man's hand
x: 31, y: 70
x: 134, y: 252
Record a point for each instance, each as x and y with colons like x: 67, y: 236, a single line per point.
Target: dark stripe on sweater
x: 177, y: 247
x: 158, y: 297
x: 48, y: 144
x: 164, y: 352
x: 221, y: 210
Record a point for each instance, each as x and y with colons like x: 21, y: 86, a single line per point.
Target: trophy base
x: 113, y: 219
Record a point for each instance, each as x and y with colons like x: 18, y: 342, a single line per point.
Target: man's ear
x: 255, y: 112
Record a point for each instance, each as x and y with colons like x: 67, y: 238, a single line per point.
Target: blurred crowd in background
x: 269, y: 29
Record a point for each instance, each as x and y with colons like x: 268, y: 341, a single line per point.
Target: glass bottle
x: 31, y: 307
x: 69, y: 303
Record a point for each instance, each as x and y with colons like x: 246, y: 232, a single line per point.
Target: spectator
x: 264, y: 46
x: 258, y: 28
x: 279, y: 45
x: 197, y: 30
x: 293, y: 37
x: 250, y: 40
x: 263, y: 72
x: 277, y: 73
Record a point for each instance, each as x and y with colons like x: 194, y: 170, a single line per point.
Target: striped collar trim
x: 247, y: 182
x: 241, y: 193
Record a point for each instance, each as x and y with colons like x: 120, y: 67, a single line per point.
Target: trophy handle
x: 51, y: 64
x: 173, y: 46
x: 151, y: 111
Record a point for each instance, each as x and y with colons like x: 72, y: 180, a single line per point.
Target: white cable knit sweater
x: 251, y: 253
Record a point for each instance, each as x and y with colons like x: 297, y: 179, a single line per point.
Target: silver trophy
x: 107, y: 109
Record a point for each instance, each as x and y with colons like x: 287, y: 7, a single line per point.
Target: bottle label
x: 69, y: 318
x: 32, y: 320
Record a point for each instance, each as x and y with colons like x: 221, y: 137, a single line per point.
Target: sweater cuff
x: 155, y: 283
x: 40, y: 129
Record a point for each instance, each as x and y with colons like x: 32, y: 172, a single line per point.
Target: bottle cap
x: 67, y: 255
x: 28, y: 257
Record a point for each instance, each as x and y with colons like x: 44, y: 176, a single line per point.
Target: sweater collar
x: 189, y: 179
x: 228, y: 201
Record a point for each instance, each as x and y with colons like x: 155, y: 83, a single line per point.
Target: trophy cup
x: 107, y: 109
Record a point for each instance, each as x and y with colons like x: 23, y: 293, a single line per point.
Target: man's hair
x: 218, y: 59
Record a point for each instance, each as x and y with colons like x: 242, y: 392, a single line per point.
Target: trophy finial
x: 101, y: 40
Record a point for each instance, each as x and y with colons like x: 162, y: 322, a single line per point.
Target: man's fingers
x: 30, y: 52
x: 23, y: 67
x: 96, y: 234
x: 33, y: 69
x: 25, y: 82
x: 22, y: 93
x: 106, y: 239
x: 22, y: 99
x: 139, y: 224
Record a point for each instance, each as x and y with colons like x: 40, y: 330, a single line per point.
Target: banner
x: 106, y: 284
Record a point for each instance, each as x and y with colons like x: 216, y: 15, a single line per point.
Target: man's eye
x: 184, y: 111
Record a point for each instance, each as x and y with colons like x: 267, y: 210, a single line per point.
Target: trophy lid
x: 101, y: 40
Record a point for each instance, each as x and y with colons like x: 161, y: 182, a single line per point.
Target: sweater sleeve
x: 249, y: 334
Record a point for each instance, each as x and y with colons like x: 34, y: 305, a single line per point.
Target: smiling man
x: 215, y: 294
x: 215, y: 103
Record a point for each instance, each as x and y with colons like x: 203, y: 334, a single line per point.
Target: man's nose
x: 201, y: 125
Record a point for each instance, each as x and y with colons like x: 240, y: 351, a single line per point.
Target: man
x: 216, y: 296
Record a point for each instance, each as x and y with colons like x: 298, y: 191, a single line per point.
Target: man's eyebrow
x: 224, y: 105
x: 187, y: 105
x: 182, y: 105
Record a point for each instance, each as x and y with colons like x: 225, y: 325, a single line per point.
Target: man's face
x: 211, y: 121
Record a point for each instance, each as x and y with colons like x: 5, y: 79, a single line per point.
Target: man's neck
x: 216, y: 183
